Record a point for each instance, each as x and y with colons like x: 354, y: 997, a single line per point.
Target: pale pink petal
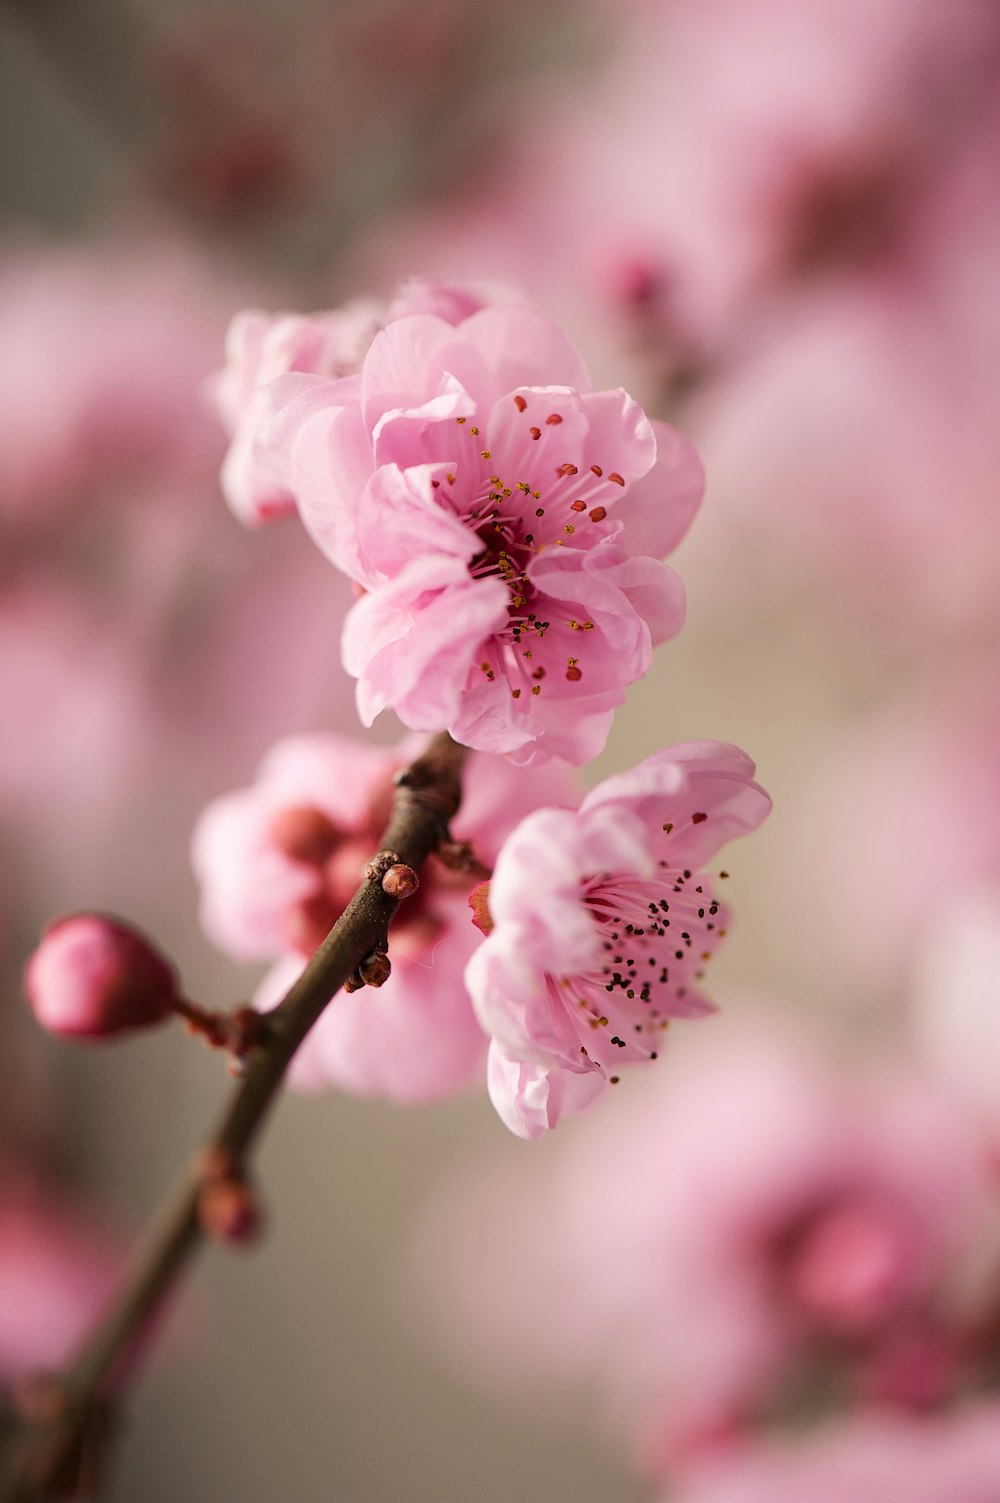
x: 453, y: 299
x: 532, y: 431
x: 516, y: 343
x: 531, y: 1099
x: 399, y: 520
x: 621, y: 438
x: 407, y: 362
x: 529, y: 737
x: 712, y: 779
x: 412, y: 642
x: 425, y: 433
x: 330, y: 465
x: 247, y: 885
x: 658, y: 509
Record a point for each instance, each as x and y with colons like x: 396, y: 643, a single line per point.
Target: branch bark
x: 60, y: 1449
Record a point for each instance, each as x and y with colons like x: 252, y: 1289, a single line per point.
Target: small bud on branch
x: 400, y: 882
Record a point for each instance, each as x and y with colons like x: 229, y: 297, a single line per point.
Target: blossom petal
x: 330, y: 466
x: 530, y: 1099
x: 703, y: 789
x: 407, y: 364
x: 489, y: 717
x: 399, y: 520
x: 423, y: 434
x: 515, y: 343
x: 658, y: 509
x: 412, y: 641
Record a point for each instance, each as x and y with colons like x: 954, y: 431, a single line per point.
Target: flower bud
x: 375, y: 969
x: 400, y: 882
x: 93, y: 976
x: 229, y: 1209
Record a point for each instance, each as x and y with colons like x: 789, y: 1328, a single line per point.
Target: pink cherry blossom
x: 321, y: 349
x: 603, y: 921
x: 875, y: 1458
x: 757, y: 1222
x: 506, y: 533
x: 278, y: 862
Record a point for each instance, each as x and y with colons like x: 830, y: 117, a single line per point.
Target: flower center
x: 562, y: 506
x: 656, y: 936
x: 338, y: 858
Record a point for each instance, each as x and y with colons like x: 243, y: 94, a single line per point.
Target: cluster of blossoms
x: 504, y: 525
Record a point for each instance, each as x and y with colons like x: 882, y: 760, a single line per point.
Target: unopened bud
x: 228, y: 1207
x: 93, y: 976
x: 375, y: 969
x: 400, y: 882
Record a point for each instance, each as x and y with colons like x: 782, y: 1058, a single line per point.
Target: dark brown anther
x: 354, y: 983
x: 228, y: 1206
x: 380, y: 864
x: 400, y: 882
x: 375, y: 969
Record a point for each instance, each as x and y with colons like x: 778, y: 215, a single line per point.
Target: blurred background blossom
x: 773, y: 1269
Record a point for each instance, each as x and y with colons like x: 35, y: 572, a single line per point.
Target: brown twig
x: 67, y: 1418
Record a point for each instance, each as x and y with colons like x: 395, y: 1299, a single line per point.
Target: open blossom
x: 278, y: 863
x: 602, y: 923
x: 321, y: 348
x: 758, y: 1224
x: 504, y: 521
